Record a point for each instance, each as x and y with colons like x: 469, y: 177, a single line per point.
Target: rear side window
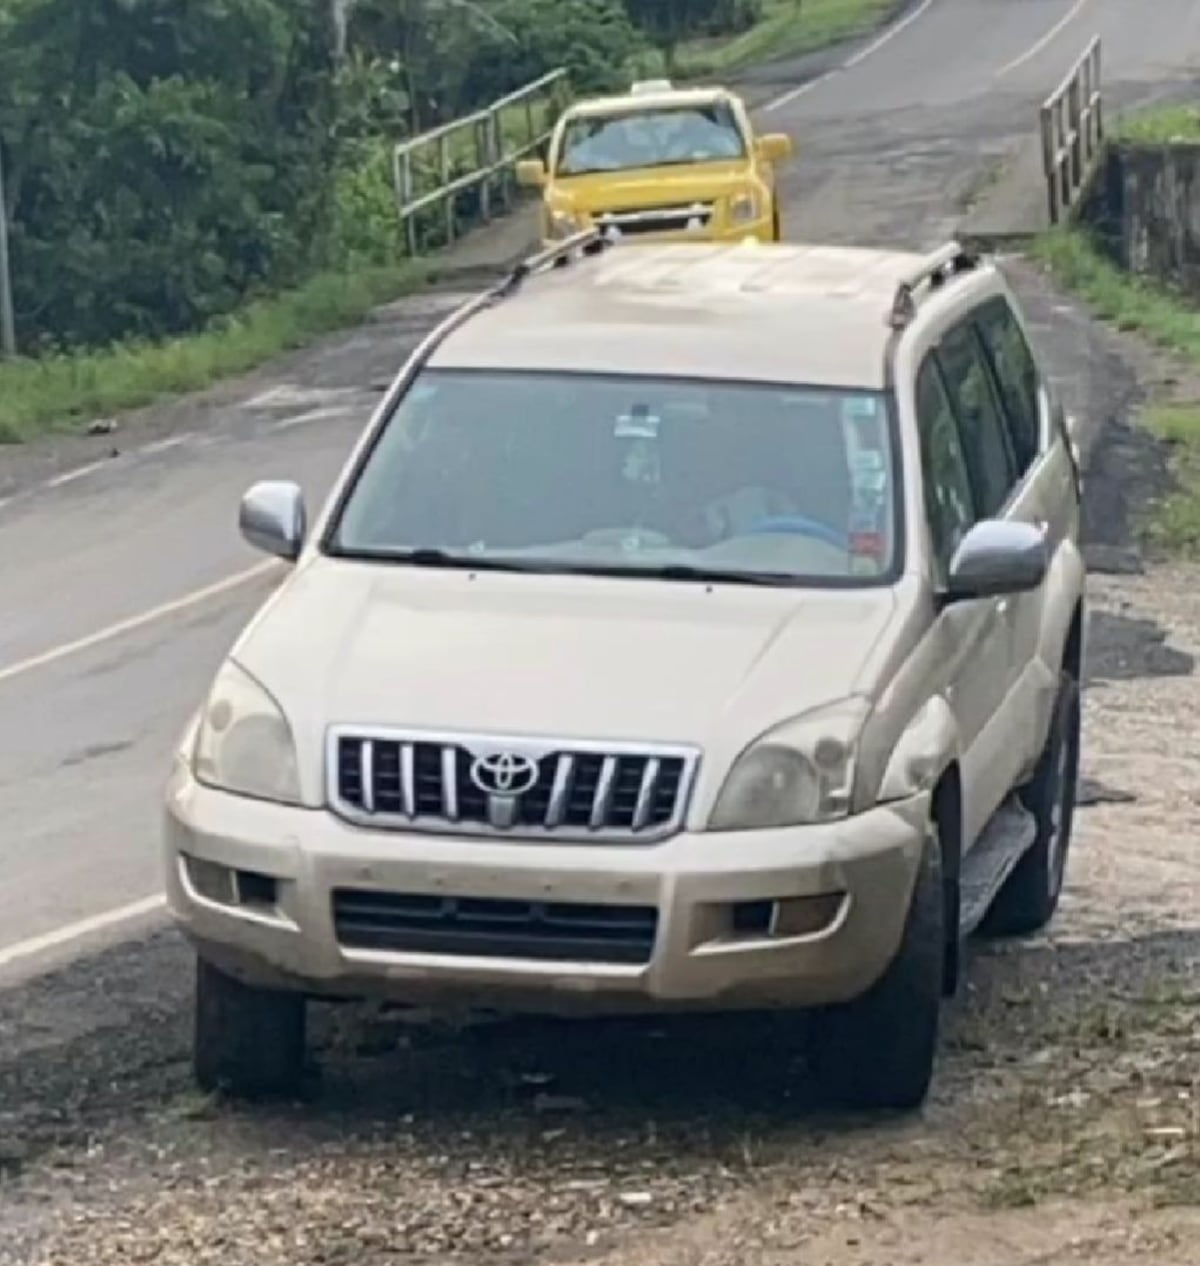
x: 949, y: 502
x: 980, y: 420
x: 1017, y: 377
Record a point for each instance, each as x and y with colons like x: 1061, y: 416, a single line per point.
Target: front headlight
x: 564, y: 223
x: 244, y: 744
x: 798, y: 773
x: 744, y: 208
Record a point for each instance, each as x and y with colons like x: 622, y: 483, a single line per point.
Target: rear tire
x: 1030, y: 895
x: 879, y: 1050
x: 247, y: 1042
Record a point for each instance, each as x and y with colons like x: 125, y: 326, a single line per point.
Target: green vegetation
x: 58, y: 389
x: 1170, y: 322
x: 193, y: 188
x: 1174, y: 525
x: 785, y: 28
x: 1130, y: 303
x: 1161, y: 125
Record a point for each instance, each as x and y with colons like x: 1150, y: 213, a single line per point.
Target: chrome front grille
x: 693, y: 217
x: 488, y: 785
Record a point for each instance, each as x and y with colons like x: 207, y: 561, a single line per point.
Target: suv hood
x: 650, y: 186
x: 553, y: 656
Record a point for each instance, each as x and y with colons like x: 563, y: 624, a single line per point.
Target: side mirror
x: 531, y: 172
x: 273, y: 519
x: 995, y: 558
x: 774, y: 147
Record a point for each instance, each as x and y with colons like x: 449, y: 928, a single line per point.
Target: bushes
x: 162, y: 162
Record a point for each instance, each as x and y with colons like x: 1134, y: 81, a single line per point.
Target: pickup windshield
x: 681, y: 479
x: 650, y: 138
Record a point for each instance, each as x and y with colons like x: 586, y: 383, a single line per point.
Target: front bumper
x: 701, y: 954
x: 761, y: 230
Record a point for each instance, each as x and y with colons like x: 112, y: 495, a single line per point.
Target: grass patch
x: 1130, y: 303
x: 56, y: 393
x: 1174, y: 525
x: 1161, y: 125
x: 1169, y: 321
x: 787, y: 28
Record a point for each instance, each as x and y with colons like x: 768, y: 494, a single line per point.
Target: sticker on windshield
x: 870, y: 480
x: 860, y: 409
x: 638, y: 424
x: 868, y: 461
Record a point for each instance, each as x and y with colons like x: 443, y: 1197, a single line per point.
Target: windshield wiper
x: 427, y: 556
x: 707, y: 575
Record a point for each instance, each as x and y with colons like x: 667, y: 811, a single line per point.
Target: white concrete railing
x: 1072, y: 119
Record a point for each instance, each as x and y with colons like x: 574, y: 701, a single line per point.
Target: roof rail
x: 647, y: 87
x: 936, y: 268
x: 587, y: 242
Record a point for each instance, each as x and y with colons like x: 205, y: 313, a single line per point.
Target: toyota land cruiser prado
x: 693, y: 627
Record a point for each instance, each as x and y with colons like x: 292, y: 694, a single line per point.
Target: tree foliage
x: 165, y: 160
x: 667, y: 23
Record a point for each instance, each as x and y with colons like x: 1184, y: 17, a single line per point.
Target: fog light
x: 804, y: 916
x: 254, y: 889
x: 211, y: 881
x: 753, y: 918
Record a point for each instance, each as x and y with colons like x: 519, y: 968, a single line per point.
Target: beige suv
x: 693, y: 627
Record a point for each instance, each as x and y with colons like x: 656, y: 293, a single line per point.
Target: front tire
x: 878, y: 1051
x: 247, y: 1042
x: 1030, y: 895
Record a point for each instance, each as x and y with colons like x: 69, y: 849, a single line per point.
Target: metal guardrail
x: 1072, y: 132
x: 490, y: 141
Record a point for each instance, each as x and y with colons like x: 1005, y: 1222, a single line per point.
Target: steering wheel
x: 799, y: 525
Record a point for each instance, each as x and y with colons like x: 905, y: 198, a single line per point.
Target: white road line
x: 1036, y: 48
x: 313, y: 415
x: 135, y: 622
x: 889, y: 34
x: 863, y: 53
x: 76, y: 931
x: 792, y: 93
x: 161, y: 446
x: 69, y: 477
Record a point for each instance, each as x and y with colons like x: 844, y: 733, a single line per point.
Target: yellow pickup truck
x: 660, y: 162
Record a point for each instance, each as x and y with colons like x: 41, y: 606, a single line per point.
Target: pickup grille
x: 417, y: 923
x: 495, y: 786
x: 681, y: 218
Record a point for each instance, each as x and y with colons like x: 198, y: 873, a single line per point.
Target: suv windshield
x: 650, y: 138
x: 629, y: 475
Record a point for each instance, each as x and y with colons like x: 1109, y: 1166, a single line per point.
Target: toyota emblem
x: 504, y: 773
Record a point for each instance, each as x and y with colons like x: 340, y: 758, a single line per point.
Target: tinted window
x: 574, y: 472
x: 949, y: 505
x: 1016, y: 375
x: 981, y: 424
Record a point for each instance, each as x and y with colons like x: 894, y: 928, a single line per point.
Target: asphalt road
x: 123, y: 583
